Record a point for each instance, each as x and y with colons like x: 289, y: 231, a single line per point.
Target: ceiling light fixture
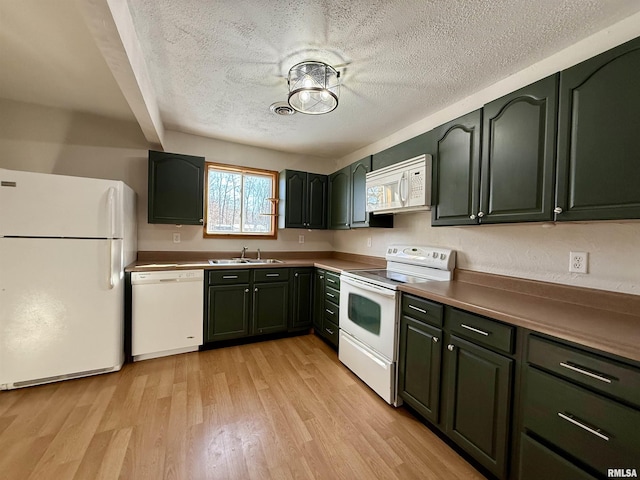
x: 314, y: 87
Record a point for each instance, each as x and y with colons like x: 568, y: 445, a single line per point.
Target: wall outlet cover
x: 578, y: 262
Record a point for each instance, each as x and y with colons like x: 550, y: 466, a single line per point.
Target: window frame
x: 250, y: 171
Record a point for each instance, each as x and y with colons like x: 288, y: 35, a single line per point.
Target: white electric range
x: 369, y: 299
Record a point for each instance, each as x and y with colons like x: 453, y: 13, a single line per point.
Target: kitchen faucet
x: 244, y: 251
x: 258, y: 254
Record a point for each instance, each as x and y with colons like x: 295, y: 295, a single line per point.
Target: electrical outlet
x: 300, y: 238
x: 578, y: 262
x: 176, y: 238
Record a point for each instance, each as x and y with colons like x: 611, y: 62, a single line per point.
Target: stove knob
x: 443, y: 256
x: 435, y: 254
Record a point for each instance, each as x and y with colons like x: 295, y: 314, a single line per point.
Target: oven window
x: 364, y: 312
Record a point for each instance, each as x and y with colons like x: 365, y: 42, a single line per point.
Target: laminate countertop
x: 605, y: 321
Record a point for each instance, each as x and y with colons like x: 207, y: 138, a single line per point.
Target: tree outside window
x: 240, y: 202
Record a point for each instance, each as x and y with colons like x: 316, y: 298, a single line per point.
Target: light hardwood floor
x: 280, y: 409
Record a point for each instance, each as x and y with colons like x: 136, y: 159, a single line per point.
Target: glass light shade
x: 314, y: 88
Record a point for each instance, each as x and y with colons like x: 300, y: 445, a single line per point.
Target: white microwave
x: 401, y: 187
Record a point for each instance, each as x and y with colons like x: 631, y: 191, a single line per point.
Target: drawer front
x: 597, y: 431
x: 481, y: 330
x: 331, y: 332
x: 331, y: 311
x: 331, y: 294
x: 225, y: 277
x: 600, y: 373
x: 421, y: 309
x: 538, y: 462
x: 332, y: 280
x: 270, y: 274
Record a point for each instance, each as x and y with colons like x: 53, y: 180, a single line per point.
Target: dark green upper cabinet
x: 340, y: 199
x: 359, y: 215
x: 518, y: 155
x: 403, y: 151
x: 456, y: 171
x: 176, y: 189
x: 303, y: 200
x: 599, y: 125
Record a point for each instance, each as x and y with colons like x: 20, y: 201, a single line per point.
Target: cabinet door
x: 318, y: 300
x: 479, y: 402
x: 316, y: 200
x: 270, y: 307
x: 359, y: 215
x: 295, y: 201
x: 301, y: 298
x: 176, y: 186
x: 518, y: 154
x: 419, y: 367
x: 456, y: 171
x: 340, y: 199
x: 228, y: 312
x: 598, y: 163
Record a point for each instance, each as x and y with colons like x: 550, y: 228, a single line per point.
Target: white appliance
x: 64, y: 242
x: 401, y: 187
x: 167, y: 308
x: 369, y: 306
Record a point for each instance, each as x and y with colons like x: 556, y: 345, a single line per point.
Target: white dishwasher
x: 166, y: 312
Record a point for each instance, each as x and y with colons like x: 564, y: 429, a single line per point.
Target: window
x: 240, y: 202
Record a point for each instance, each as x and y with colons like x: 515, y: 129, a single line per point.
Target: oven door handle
x: 368, y: 286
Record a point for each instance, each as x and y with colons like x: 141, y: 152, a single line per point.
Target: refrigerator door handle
x: 110, y: 269
x: 111, y: 217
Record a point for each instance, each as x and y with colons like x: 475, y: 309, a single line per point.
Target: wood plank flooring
x: 280, y: 409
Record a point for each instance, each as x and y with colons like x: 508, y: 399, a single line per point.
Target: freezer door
x: 44, y: 205
x: 61, y: 308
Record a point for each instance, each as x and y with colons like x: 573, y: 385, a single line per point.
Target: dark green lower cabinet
x: 419, y: 367
x: 301, y: 298
x: 318, y: 300
x: 228, y: 312
x: 479, y: 402
x: 270, y: 307
x: 538, y: 462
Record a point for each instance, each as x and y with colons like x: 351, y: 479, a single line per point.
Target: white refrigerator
x: 64, y: 243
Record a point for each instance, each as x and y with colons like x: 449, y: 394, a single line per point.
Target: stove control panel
x: 433, y: 257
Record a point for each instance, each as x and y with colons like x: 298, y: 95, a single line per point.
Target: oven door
x: 368, y: 313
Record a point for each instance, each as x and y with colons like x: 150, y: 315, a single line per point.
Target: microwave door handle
x: 404, y: 183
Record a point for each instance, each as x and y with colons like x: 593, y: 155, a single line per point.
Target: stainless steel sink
x: 237, y: 261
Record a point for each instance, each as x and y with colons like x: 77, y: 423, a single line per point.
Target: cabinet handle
x: 256, y: 289
x: 472, y: 217
x: 331, y: 295
x: 574, y: 368
x: 272, y: 275
x: 450, y: 347
x: 435, y: 339
x: 296, y: 275
x: 230, y: 276
x: 480, y: 214
x: 346, y: 224
x: 571, y: 419
x: 321, y: 277
x: 418, y: 309
x: 486, y: 334
x: 201, y: 220
x: 557, y: 210
x: 330, y: 281
x: 329, y: 311
x: 329, y: 330
x: 246, y: 290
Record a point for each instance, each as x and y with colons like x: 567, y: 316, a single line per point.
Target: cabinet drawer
x: 332, y: 280
x: 421, y: 309
x: 270, y: 274
x: 331, y: 331
x: 600, y: 373
x: 538, y: 462
x: 481, y: 330
x: 595, y: 430
x: 332, y: 312
x: 332, y: 295
x: 223, y: 277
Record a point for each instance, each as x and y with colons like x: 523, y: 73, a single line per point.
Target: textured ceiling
x: 216, y: 65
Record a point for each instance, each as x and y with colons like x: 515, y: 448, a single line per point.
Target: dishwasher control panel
x: 138, y: 278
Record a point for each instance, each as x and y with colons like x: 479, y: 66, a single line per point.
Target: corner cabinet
x: 301, y: 298
x: 340, y: 199
x: 303, y: 200
x: 359, y: 216
x: 598, y: 161
x: 176, y: 189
